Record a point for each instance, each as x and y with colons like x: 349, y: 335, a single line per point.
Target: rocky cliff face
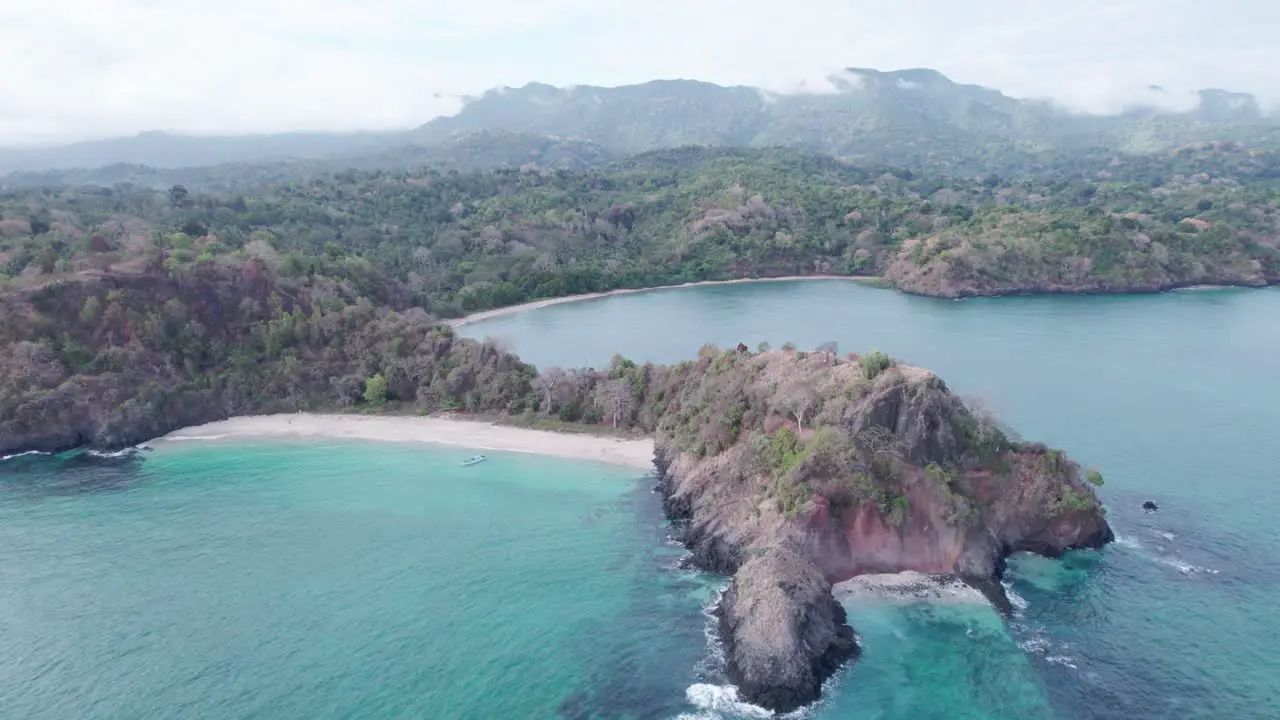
x: 892, y: 473
x: 787, y: 632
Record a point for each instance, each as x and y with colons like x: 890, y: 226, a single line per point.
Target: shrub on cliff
x: 874, y: 363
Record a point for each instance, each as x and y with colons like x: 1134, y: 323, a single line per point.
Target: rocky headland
x: 840, y: 467
x: 788, y: 470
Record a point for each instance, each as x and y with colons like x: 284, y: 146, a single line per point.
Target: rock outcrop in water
x: 793, y: 471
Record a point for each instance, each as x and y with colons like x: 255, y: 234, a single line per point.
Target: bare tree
x: 829, y: 349
x: 614, y: 397
x: 797, y: 398
x: 547, y: 382
x: 577, y: 384
x: 988, y: 421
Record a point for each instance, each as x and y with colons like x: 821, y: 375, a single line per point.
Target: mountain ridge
x: 913, y: 117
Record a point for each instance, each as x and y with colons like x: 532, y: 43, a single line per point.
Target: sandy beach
x: 442, y: 431
x: 512, y: 309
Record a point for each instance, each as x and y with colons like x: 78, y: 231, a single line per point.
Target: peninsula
x: 787, y: 470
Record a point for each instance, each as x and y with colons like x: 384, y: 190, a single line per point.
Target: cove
x: 1171, y: 395
x: 304, y: 579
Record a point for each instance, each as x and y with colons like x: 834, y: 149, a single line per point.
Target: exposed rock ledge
x: 784, y: 633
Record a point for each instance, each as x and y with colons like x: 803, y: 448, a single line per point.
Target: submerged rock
x: 1150, y: 506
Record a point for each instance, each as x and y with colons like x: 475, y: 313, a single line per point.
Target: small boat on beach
x: 475, y: 460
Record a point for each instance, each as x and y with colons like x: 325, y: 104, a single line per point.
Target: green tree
x: 874, y: 363
x: 375, y: 390
x: 89, y: 313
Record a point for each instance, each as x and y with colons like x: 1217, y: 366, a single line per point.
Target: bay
x: 1172, y: 396
x: 317, y: 579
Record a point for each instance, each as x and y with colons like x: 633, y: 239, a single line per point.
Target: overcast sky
x: 72, y: 69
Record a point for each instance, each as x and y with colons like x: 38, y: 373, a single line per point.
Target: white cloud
x: 92, y: 68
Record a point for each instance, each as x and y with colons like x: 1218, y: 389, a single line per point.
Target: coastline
x: 536, y: 304
x: 862, y: 279
x: 440, y: 431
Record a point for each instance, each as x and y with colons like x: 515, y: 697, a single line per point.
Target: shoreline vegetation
x: 472, y: 434
x: 457, y: 244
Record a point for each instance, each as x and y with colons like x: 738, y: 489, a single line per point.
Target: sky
x: 79, y: 69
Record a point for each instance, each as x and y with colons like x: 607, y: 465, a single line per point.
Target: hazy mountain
x: 483, y: 150
x: 164, y: 150
x: 915, y: 118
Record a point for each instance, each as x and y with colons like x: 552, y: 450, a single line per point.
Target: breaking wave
x: 720, y: 701
x: 1168, y: 560
x: 22, y: 454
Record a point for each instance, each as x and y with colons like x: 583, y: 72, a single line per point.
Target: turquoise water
x: 1175, y: 397
x: 308, y: 580
x: 349, y: 580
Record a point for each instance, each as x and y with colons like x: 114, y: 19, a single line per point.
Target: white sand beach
x: 512, y: 309
x: 443, y: 431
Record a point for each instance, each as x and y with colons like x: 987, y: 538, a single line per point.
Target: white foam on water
x: 117, y: 454
x: 1039, y: 644
x: 194, y: 437
x: 1036, y: 644
x: 1129, y: 542
x: 723, y: 701
x: 1182, y: 567
x: 711, y: 664
x: 1018, y: 602
x: 22, y: 454
x: 1185, y: 568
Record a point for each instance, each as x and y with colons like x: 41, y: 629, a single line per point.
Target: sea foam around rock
x: 906, y: 587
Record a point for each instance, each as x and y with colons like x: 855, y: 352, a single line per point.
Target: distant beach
x: 442, y: 431
x: 523, y: 307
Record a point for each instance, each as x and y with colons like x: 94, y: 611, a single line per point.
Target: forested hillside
x: 453, y: 242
